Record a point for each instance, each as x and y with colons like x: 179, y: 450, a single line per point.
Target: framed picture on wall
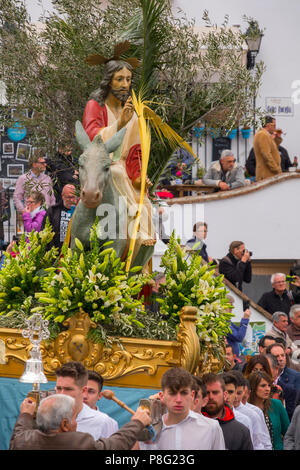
x: 15, y: 170
x: 8, y: 147
x: 23, y: 152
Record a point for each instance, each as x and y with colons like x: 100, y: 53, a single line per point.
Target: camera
x: 246, y: 305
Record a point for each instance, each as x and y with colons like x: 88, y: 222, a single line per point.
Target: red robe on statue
x: 95, y: 118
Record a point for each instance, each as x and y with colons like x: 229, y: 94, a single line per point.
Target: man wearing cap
x: 60, y: 214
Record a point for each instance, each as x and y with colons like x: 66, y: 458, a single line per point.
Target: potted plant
x: 231, y: 134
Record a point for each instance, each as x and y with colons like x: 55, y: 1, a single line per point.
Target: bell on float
x: 34, y: 371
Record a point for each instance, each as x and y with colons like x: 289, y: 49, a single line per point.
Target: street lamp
x: 253, y: 49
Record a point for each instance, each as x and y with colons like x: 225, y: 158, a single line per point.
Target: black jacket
x: 236, y: 435
x: 202, y: 247
x: 284, y: 156
x: 273, y: 302
x: 54, y: 215
x: 235, y: 271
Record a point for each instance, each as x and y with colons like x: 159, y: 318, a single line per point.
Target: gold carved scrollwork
x: 129, y: 362
x: 212, y: 361
x: 187, y: 336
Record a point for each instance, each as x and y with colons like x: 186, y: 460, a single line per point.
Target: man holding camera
x: 236, y: 265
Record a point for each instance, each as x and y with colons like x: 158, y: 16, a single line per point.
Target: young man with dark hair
x: 183, y: 429
x: 231, y: 384
x: 264, y: 342
x: 72, y: 379
x: 236, y: 435
x: 92, y: 395
x: 259, y: 432
x: 200, y: 394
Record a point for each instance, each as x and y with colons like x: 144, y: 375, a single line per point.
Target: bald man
x: 60, y: 214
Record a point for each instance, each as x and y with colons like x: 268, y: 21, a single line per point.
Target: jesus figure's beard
x: 120, y: 95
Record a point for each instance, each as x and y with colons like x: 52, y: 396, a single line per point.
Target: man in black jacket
x: 280, y: 299
x: 200, y: 234
x: 236, y: 435
x: 236, y: 265
x: 60, y: 215
x: 288, y: 379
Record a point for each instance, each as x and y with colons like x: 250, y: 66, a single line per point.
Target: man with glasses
x: 280, y: 299
x: 225, y: 174
x: 34, y: 180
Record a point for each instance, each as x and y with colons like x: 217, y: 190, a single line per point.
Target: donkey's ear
x: 81, y: 136
x: 115, y: 142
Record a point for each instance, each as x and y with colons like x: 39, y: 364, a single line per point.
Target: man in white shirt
x: 183, y: 429
x: 92, y: 394
x: 71, y: 379
x: 261, y: 436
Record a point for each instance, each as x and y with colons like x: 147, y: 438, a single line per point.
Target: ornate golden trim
x: 130, y: 362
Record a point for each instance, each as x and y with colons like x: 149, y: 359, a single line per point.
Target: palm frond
x: 148, y: 41
x: 164, y: 131
x: 145, y: 137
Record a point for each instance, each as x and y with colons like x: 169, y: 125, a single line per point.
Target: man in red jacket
x: 236, y: 435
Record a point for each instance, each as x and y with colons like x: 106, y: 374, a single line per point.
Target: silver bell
x: 37, y: 330
x: 34, y: 371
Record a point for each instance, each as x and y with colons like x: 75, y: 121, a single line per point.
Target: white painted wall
x: 265, y: 219
x: 280, y: 48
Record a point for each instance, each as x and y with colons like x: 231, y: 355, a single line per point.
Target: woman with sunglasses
x: 275, y: 414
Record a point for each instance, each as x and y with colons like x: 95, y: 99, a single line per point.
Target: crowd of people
x: 252, y: 405
x: 231, y: 410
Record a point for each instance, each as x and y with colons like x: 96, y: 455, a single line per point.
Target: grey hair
x: 226, y: 153
x: 294, y: 309
x: 276, y: 316
x: 277, y: 274
x: 52, y: 410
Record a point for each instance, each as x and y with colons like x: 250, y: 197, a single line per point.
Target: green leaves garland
x: 22, y: 272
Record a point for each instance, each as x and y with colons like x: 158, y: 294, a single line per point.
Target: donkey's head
x: 94, y: 164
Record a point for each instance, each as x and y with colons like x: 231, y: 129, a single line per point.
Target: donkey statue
x: 99, y: 197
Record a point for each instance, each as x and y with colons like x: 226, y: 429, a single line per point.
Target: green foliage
x: 95, y: 281
x: 47, y: 73
x: 22, y: 275
x: 189, y: 283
